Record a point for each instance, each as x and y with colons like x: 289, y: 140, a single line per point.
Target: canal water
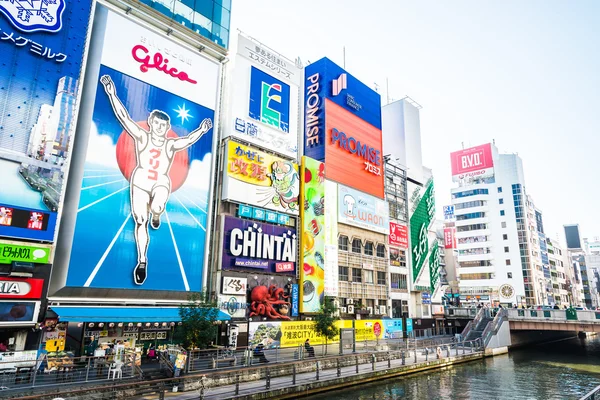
x: 567, y: 369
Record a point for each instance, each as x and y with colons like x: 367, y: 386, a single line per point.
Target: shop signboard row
x: 343, y: 127
x: 264, y: 95
x: 38, y: 116
x: 258, y: 178
x: 146, y: 129
x: 294, y: 333
x: 24, y: 252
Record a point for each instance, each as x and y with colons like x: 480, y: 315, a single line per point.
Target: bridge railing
x: 458, y: 312
x: 493, y: 326
x: 593, y: 395
x: 554, y: 315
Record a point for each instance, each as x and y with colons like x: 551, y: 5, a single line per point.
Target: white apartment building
x: 497, y: 238
x: 562, y: 281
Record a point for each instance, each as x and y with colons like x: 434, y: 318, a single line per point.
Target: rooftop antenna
x: 387, y: 90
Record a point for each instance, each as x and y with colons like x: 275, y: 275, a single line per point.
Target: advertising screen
x: 42, y: 56
x: 398, y: 235
x: 362, y: 210
x: 474, y: 162
x: 252, y: 245
x: 142, y: 215
x: 264, y: 98
x: 312, y: 274
x: 261, y: 179
x: 18, y: 313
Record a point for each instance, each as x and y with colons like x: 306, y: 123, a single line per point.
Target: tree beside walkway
x: 325, y: 321
x: 198, y: 317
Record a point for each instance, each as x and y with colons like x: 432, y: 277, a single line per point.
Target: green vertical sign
x: 419, y: 226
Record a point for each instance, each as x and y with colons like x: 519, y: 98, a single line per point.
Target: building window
x: 369, y: 248
x: 507, y: 262
x: 356, y: 246
x: 500, y: 201
x: 356, y: 275
x: 476, y: 277
x: 470, y: 216
x: 473, y: 227
x: 500, y: 189
x: 381, y: 251
x: 343, y: 272
x: 506, y: 250
x: 473, y: 192
x: 504, y: 224
x: 398, y: 281
x: 505, y: 237
x: 369, y: 277
x: 343, y: 243
x: 502, y: 213
x: 509, y: 275
x: 381, y: 278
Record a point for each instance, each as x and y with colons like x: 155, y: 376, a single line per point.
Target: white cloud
x: 101, y: 149
x: 199, y: 174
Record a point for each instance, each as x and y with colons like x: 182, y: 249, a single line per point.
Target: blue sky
x: 524, y: 73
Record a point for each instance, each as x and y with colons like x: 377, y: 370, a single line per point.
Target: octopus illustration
x: 264, y: 299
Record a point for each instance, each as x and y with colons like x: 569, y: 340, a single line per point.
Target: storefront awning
x: 122, y: 314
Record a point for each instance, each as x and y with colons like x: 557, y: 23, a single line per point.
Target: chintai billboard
x: 255, y: 246
x: 42, y: 50
x: 147, y: 117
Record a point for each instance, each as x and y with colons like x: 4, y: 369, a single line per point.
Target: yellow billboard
x: 255, y: 177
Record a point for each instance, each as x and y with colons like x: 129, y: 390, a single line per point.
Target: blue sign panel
x: 271, y: 216
x: 409, y: 325
x: 295, y: 297
x: 269, y: 100
x: 42, y: 45
x: 258, y: 214
x: 326, y: 80
x: 245, y: 211
x: 283, y: 219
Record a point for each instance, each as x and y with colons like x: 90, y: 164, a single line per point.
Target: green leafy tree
x: 325, y: 321
x: 198, y: 316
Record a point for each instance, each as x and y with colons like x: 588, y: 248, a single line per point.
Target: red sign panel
x: 449, y: 238
x: 19, y: 288
x: 353, y: 151
x: 284, y: 267
x: 475, y: 162
x: 398, y: 235
x: 377, y: 329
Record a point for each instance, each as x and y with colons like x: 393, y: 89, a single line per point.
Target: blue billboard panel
x: 42, y: 50
x: 269, y: 100
x: 325, y: 79
x: 142, y: 215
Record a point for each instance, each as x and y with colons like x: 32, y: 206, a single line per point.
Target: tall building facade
x: 416, y: 283
x: 499, y: 258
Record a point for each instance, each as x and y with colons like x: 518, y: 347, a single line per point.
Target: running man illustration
x: 150, y: 185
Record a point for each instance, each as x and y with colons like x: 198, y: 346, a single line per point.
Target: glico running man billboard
x: 264, y: 98
x: 258, y: 178
x: 142, y: 215
x: 42, y: 45
x: 343, y: 127
x: 474, y: 163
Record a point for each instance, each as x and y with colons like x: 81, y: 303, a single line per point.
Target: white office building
x: 497, y: 237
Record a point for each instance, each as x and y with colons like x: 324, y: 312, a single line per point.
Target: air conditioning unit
x: 350, y: 309
x: 382, y: 310
x: 370, y: 310
x: 343, y: 310
x: 308, y: 319
x: 349, y: 301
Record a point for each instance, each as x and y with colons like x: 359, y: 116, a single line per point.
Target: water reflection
x: 561, y: 370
